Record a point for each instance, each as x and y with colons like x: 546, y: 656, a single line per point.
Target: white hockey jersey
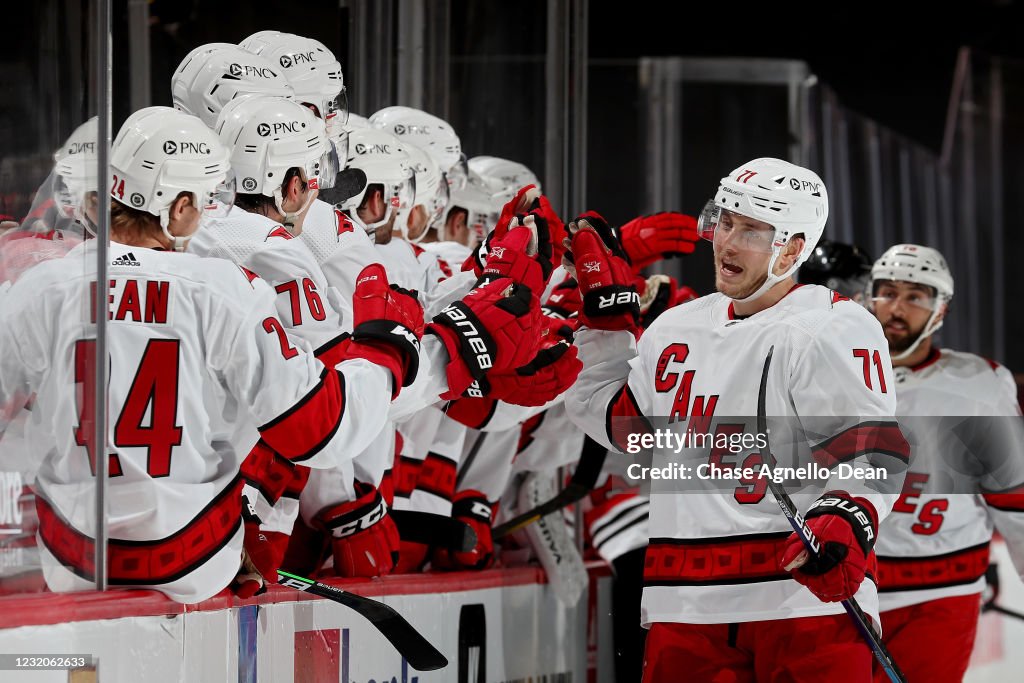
x: 341, y: 247
x: 306, y: 304
x: 935, y: 542
x: 197, y: 356
x: 714, y: 554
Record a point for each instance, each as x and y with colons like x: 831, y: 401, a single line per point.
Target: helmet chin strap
x: 178, y: 243
x: 372, y: 227
x: 771, y: 280
x: 930, y: 328
x: 290, y: 218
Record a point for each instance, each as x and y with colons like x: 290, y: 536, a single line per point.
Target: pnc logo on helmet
x: 249, y: 71
x: 186, y: 147
x: 288, y: 61
x: 170, y: 147
x: 82, y: 147
x: 263, y: 130
x: 373, y: 149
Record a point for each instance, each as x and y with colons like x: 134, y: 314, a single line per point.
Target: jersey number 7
x: 154, y: 390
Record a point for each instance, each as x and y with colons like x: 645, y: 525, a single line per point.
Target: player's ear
x: 790, y: 253
x: 181, y: 203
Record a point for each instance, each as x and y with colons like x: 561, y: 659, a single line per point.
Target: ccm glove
x: 365, y: 539
x: 846, y: 528
x: 473, y: 508
x: 388, y: 326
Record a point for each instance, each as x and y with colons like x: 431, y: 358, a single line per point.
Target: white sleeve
x: 843, y: 389
x: 609, y: 386
x: 309, y: 414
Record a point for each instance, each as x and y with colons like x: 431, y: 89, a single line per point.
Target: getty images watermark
x: 722, y: 447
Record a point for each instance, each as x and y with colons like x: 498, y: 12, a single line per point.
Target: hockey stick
x: 433, y: 529
x: 581, y: 483
x: 420, y: 654
x: 810, y: 542
x: 992, y: 607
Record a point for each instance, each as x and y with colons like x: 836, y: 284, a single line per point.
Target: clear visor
x: 217, y: 203
x: 458, y: 174
x: 889, y: 295
x: 335, y: 112
x: 322, y: 173
x: 480, y: 223
x: 722, y: 226
x: 441, y: 199
x: 67, y: 196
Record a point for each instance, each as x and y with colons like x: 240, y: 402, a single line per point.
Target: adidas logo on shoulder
x: 126, y: 260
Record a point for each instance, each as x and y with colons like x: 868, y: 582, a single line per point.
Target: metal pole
x: 410, y: 51
x: 556, y: 110
x: 995, y: 112
x: 875, y: 185
x: 102, y: 68
x: 967, y: 208
x: 578, y: 102
x: 139, y: 94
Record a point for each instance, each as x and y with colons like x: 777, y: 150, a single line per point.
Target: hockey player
x: 199, y: 359
x: 719, y: 595
x: 845, y: 268
x: 933, y: 548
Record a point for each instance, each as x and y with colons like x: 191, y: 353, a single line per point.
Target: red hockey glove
x: 365, y: 537
x: 508, y: 257
x: 473, y: 508
x: 262, y: 552
x: 519, y: 204
x: 608, y: 234
x: 649, y: 239
x: 565, y: 301
x: 610, y: 299
x: 550, y: 373
x: 846, y: 528
x: 494, y: 327
x: 388, y: 326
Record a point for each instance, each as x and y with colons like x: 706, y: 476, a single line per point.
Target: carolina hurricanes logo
x: 396, y: 202
x: 279, y: 231
x: 344, y: 223
x: 314, y: 183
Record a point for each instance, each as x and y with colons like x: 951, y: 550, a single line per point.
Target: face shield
x: 458, y: 174
x: 335, y: 113
x: 722, y: 226
x: 440, y: 204
x: 885, y: 293
x: 323, y: 172
x: 217, y: 202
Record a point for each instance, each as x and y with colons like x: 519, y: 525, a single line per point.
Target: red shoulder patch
x: 344, y: 222
x: 281, y: 232
x: 445, y: 268
x: 249, y: 275
x: 992, y: 364
x: 416, y: 249
x: 837, y: 297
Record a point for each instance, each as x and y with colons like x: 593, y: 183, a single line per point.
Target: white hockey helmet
x: 268, y: 136
x: 161, y: 152
x: 432, y: 189
x: 75, y: 174
x: 920, y: 265
x: 482, y: 209
x: 385, y: 161
x: 433, y: 135
x: 790, y: 198
x: 504, y: 176
x: 216, y: 73
x: 355, y: 122
x: 311, y: 69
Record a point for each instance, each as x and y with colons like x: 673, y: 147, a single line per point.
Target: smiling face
x: 743, y: 248
x: 903, y: 308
